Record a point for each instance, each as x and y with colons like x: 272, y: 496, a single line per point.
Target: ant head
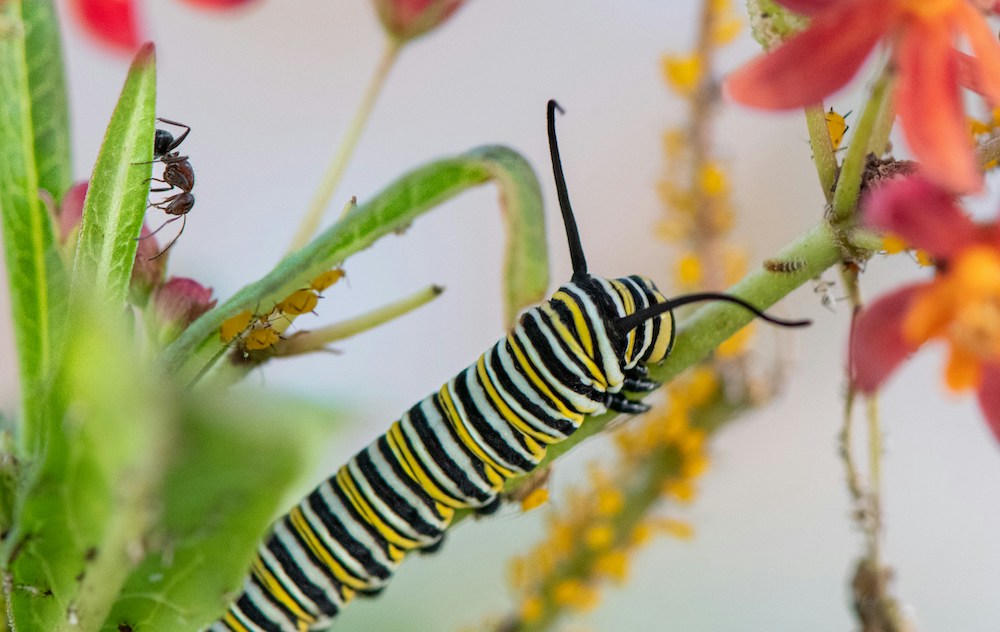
x: 162, y: 143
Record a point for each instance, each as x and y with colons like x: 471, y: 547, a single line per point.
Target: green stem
x: 845, y: 196
x: 822, y: 149
x: 318, y: 339
x: 335, y: 171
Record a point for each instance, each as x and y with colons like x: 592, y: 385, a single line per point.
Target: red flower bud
x: 71, y: 210
x: 147, y: 268
x: 407, y: 19
x: 176, y: 304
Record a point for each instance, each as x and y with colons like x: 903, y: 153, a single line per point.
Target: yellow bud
x: 676, y: 528
x: 726, y: 30
x: 681, y: 490
x: 689, y: 270
x: 713, y: 180
x: 736, y: 345
x: 598, y: 536
x: 641, y: 534
x: 613, y: 564
x: 682, y: 72
x: 531, y: 609
x: 609, y: 501
x: 575, y: 594
x: 694, y: 466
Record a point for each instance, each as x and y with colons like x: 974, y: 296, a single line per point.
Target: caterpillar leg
x: 637, y: 380
x: 489, y: 508
x: 619, y: 403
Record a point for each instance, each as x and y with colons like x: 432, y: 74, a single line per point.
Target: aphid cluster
x: 252, y: 333
x: 178, y: 174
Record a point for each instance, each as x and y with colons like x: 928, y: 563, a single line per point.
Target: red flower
x: 115, y: 22
x: 176, y: 304
x: 921, y: 35
x: 960, y: 305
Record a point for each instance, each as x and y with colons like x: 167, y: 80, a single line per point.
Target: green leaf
x: 116, y: 198
x: 35, y: 270
x: 89, y: 499
x: 234, y: 462
x: 47, y: 89
x: 526, y: 269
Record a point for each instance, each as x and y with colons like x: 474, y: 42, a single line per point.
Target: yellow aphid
x: 232, y: 327
x: 893, y: 244
x: 299, y: 302
x: 324, y: 280
x: 836, y: 125
x: 923, y: 258
x: 978, y: 128
x: 261, y: 339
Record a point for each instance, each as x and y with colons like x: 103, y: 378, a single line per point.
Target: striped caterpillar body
x: 572, y: 356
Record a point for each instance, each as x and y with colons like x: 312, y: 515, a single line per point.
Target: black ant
x: 177, y: 174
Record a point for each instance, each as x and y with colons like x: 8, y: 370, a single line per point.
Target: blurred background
x: 268, y: 93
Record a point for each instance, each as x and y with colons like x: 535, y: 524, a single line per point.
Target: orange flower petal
x: 929, y: 313
x: 963, y: 370
x: 877, y: 345
x: 989, y: 397
x: 986, y: 48
x: 930, y: 107
x: 815, y: 63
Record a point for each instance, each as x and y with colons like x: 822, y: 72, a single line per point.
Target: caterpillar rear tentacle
x: 572, y: 356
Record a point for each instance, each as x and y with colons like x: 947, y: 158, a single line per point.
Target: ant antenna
x: 572, y: 234
x: 628, y: 323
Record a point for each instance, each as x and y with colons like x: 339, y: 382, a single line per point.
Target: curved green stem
x: 822, y: 149
x: 335, y: 171
x: 845, y: 196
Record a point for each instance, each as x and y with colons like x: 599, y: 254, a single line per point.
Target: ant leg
x: 172, y: 219
x: 174, y: 240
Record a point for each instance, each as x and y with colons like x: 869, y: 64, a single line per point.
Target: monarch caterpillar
x: 572, y: 356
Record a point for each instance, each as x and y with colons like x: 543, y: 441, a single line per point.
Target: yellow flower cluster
x: 591, y: 538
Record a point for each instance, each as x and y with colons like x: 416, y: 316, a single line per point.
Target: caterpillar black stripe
x: 574, y: 355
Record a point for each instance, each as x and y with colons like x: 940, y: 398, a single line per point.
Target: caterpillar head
x: 639, y: 319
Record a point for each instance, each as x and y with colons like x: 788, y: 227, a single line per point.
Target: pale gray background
x: 268, y: 93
